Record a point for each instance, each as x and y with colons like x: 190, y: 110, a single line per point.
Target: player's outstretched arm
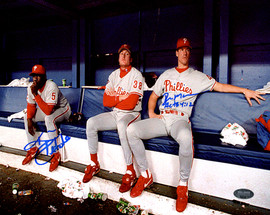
x: 249, y: 94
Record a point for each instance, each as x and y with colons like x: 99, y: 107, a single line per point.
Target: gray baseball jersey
x: 52, y: 96
x: 131, y: 83
x: 180, y: 90
x: 49, y: 94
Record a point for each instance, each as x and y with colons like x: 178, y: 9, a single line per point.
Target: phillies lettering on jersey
x: 178, y: 86
x: 179, y: 90
x: 120, y: 91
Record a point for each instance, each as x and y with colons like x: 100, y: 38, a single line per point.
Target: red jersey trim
x: 213, y: 86
x: 180, y: 70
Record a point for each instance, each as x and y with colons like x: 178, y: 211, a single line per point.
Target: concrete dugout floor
x: 47, y: 193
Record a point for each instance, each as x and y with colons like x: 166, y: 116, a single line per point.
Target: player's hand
x: 250, y: 94
x: 123, y: 97
x: 31, y: 127
x: 110, y: 92
x: 154, y: 115
x: 34, y: 89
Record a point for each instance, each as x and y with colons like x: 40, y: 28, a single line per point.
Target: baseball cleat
x: 182, y: 198
x: 55, y: 159
x: 141, y: 184
x: 30, y: 155
x: 127, y: 181
x: 90, y: 171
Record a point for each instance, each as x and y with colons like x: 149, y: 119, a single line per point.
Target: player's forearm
x: 110, y: 101
x: 31, y: 110
x: 129, y: 103
x: 228, y: 88
x: 249, y: 94
x: 152, y: 103
x: 47, y: 109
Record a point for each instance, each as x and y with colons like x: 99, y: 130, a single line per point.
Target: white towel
x: 23, y: 82
x: 234, y: 134
x: 265, y: 89
x: 18, y: 115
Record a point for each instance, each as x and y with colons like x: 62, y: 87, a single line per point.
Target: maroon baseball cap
x: 126, y: 47
x: 38, y: 70
x: 183, y: 42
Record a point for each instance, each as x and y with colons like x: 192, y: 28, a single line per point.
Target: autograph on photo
x: 49, y: 146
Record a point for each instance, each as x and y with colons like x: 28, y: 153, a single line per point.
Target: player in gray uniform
x: 179, y: 87
x: 53, y: 108
x: 123, y: 93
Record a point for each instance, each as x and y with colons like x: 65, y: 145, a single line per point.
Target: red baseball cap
x: 126, y: 47
x: 38, y: 70
x: 183, y: 42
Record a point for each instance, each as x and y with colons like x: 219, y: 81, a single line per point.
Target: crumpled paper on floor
x: 74, y: 188
x: 234, y: 134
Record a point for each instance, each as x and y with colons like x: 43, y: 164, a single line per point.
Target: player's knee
x: 121, y: 126
x: 131, y: 131
x: 48, y: 119
x: 90, y: 124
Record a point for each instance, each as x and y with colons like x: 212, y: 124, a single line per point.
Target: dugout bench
x: 211, y: 112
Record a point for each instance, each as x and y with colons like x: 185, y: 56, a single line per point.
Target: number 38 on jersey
x: 137, y: 85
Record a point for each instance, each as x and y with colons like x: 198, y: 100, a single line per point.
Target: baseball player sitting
x: 53, y: 108
x: 123, y: 93
x: 179, y: 88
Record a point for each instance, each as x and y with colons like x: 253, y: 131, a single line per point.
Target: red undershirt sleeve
x: 129, y: 103
x: 31, y: 110
x: 47, y: 109
x: 110, y: 101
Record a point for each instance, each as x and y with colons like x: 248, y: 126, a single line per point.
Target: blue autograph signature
x: 44, y: 145
x: 174, y: 103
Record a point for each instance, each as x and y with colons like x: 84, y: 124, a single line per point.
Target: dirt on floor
x: 47, y: 198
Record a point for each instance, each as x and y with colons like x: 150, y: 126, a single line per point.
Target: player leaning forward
x: 124, y: 94
x: 52, y: 108
x: 179, y: 87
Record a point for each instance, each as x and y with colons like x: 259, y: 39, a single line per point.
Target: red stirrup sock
x: 94, y: 158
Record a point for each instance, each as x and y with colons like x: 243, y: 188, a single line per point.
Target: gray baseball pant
x: 57, y: 116
x: 179, y: 128
x: 114, y: 120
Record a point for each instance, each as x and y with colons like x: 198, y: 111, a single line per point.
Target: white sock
x: 129, y: 172
x: 183, y: 183
x: 92, y: 163
x: 145, y: 175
